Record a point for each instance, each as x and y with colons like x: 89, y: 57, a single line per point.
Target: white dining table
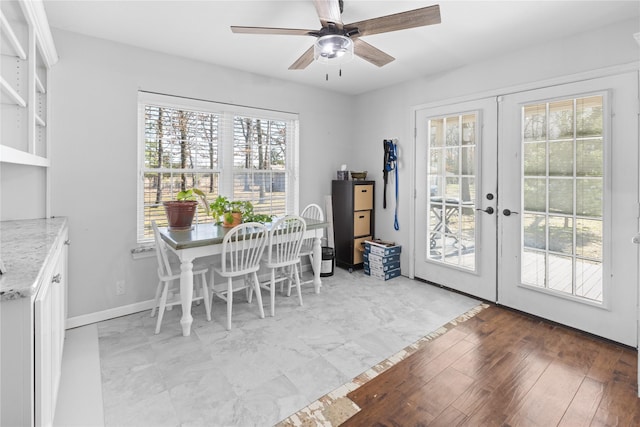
x: 205, y: 240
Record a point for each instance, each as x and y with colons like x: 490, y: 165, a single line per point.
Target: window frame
x: 227, y: 113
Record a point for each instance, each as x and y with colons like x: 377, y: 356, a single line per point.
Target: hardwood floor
x: 503, y: 368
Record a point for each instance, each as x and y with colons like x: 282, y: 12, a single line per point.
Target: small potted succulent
x: 180, y: 212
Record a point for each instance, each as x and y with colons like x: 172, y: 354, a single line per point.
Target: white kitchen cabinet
x: 33, y: 295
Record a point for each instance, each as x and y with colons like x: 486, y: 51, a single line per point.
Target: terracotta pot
x: 180, y: 214
x: 237, y: 220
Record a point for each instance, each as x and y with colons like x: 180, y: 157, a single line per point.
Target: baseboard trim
x: 99, y: 316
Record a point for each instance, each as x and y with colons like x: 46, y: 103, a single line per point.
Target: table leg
x: 186, y: 294
x: 317, y: 263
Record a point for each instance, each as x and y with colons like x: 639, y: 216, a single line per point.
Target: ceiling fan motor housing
x: 333, y: 46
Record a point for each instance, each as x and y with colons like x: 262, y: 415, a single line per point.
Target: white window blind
x: 240, y: 152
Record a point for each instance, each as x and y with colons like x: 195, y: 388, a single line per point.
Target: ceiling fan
x: 336, y: 39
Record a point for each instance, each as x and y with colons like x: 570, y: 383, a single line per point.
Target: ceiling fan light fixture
x: 333, y: 47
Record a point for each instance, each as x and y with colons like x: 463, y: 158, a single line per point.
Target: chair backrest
x: 285, y: 240
x: 313, y: 211
x: 164, y: 268
x: 242, y: 248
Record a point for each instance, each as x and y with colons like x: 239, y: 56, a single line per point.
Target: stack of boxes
x: 381, y: 259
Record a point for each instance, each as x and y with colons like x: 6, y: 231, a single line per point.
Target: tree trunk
x: 158, y: 177
x: 182, y: 123
x: 211, y: 157
x: 246, y: 133
x: 261, y: 165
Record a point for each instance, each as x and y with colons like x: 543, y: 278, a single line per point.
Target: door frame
x: 538, y: 84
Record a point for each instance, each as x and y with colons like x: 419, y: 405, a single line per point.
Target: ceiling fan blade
x: 304, y: 60
x: 399, y: 21
x: 328, y: 11
x: 369, y: 53
x: 269, y: 30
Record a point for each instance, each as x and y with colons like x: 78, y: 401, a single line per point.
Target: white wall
x: 387, y: 113
x: 22, y: 193
x: 94, y: 125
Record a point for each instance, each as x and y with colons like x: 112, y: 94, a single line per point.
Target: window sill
x: 143, y: 251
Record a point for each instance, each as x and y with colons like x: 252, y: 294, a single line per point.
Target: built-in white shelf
x: 26, y: 36
x: 39, y: 85
x: 11, y: 37
x: 19, y: 157
x: 11, y: 93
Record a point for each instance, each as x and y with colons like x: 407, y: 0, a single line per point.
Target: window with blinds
x: 240, y: 152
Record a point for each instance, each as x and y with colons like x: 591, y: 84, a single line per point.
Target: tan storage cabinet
x: 353, y: 220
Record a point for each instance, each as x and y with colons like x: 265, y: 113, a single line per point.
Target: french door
x: 456, y: 197
x: 536, y: 211
x: 569, y: 179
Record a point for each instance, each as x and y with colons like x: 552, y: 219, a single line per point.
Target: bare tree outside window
x: 182, y: 149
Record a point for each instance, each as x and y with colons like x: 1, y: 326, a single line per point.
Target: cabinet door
x: 49, y: 311
x: 363, y: 197
x: 358, y: 249
x: 361, y: 223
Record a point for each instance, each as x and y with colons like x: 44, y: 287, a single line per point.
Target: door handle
x: 508, y: 212
x: 489, y: 210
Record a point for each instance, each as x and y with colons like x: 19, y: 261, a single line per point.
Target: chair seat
x: 175, y: 290
x: 271, y: 264
x: 307, y: 247
x: 196, y: 270
x: 228, y: 273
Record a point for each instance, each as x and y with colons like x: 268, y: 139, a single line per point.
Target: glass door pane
x: 562, y: 196
x: 451, y: 184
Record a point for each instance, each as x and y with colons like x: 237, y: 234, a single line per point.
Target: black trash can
x: 326, y: 266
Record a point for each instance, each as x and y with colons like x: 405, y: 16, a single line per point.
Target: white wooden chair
x: 242, y: 249
x: 283, y: 254
x: 166, y: 296
x: 311, y: 211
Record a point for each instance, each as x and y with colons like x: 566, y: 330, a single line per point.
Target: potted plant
x: 180, y: 212
x: 227, y: 212
x: 230, y: 213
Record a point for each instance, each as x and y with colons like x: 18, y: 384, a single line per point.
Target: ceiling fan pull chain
x: 340, y: 72
x: 326, y: 77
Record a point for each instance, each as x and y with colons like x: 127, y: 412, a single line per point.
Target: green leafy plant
x: 224, y: 208
x: 190, y: 195
x: 248, y: 215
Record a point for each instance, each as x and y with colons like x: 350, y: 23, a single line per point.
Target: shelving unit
x: 28, y: 53
x: 353, y: 220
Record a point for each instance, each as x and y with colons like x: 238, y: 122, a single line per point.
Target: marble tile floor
x: 263, y: 370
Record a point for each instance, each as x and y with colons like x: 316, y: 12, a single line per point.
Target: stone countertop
x: 25, y: 247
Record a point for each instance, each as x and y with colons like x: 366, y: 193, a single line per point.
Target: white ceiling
x: 470, y: 31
